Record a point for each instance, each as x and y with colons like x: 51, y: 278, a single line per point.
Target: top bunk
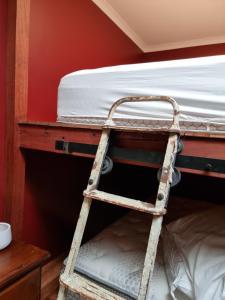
x: 197, y: 85
x: 85, y: 98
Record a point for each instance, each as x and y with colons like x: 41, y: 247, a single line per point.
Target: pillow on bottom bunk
x: 194, y: 252
x: 115, y: 258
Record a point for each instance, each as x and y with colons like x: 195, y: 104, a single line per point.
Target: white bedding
x: 198, y: 85
x: 195, y: 255
x: 115, y: 258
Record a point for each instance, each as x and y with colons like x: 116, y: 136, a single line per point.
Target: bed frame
x: 203, y: 153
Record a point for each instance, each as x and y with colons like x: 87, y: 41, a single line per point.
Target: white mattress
x: 115, y: 258
x: 198, y: 85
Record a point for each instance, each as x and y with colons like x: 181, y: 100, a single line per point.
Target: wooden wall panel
x: 3, y: 30
x: 17, y: 78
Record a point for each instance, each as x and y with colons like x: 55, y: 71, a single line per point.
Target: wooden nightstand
x: 20, y: 271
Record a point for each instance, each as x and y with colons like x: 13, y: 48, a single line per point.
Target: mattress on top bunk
x: 198, y: 85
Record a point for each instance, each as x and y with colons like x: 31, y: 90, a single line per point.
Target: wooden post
x: 16, y: 110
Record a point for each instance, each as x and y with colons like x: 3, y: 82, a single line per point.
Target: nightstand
x: 20, y: 271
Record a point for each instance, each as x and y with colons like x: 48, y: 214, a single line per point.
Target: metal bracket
x: 107, y: 166
x: 176, y: 177
x: 72, y: 147
x: 182, y: 161
x: 180, y: 146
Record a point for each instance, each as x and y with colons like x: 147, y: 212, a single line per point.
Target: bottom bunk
x: 54, y: 185
x: 190, y: 262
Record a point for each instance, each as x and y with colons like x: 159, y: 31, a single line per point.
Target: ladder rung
x: 125, y: 202
x: 87, y: 288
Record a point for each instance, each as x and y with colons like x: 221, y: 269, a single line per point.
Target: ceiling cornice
x: 122, y: 24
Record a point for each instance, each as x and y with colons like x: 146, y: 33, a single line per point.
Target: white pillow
x: 177, y: 274
x: 194, y: 251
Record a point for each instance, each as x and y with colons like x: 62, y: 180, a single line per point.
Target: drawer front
x: 26, y: 288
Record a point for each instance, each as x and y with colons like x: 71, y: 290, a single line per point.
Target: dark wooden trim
x: 17, y: 89
x: 43, y: 137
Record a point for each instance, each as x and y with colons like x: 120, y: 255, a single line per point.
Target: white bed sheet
x: 198, y: 85
x: 195, y: 255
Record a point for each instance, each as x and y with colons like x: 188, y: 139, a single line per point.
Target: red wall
x: 3, y: 20
x: 66, y: 36
x: 190, y: 52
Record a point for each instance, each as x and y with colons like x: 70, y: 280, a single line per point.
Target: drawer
x: 26, y: 288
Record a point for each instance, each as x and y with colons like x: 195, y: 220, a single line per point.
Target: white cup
x: 5, y: 235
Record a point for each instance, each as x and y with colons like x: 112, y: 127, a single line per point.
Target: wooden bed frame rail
x: 200, y: 155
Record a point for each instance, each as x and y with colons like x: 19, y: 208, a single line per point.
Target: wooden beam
x: 17, y: 89
x: 38, y: 137
x: 42, y: 136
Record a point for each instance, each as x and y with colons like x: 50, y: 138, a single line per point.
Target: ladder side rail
x: 81, y: 224
x: 161, y: 201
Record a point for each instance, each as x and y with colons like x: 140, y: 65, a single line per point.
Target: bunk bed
x: 190, y: 254
x: 84, y: 98
x: 83, y: 102
x: 78, y: 139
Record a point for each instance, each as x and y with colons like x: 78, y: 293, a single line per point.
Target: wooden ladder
x: 78, y: 283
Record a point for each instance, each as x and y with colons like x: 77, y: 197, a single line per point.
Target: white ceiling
x: 156, y: 25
